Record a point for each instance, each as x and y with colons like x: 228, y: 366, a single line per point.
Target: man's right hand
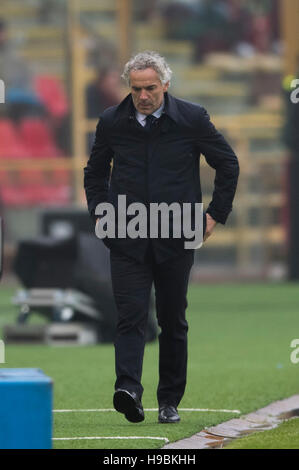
x: 211, y: 223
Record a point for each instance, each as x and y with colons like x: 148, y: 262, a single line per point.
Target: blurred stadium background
x: 61, y: 61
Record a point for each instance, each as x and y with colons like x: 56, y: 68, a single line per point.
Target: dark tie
x: 150, y: 119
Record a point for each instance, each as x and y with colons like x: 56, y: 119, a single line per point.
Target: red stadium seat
x: 61, y: 176
x: 51, y: 93
x: 3, y: 177
x: 38, y: 138
x: 37, y: 194
x: 11, y: 145
x: 27, y: 187
x: 31, y: 176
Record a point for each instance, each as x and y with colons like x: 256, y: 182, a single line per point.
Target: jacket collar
x: 126, y: 108
x: 170, y: 107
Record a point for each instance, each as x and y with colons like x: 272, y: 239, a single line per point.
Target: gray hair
x: 148, y: 59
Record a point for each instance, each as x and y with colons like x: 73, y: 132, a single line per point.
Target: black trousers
x: 132, y: 283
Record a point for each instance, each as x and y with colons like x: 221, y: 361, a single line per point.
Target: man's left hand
x: 210, y: 226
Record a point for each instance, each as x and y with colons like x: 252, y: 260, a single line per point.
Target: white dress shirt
x: 141, y: 118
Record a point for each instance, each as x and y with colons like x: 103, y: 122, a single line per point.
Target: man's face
x: 147, y: 90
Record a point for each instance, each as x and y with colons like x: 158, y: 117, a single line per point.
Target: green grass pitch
x: 239, y: 359
x: 285, y: 436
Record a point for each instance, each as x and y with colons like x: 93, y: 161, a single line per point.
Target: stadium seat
x: 31, y: 176
x: 61, y: 176
x: 11, y: 145
x: 51, y: 93
x: 12, y: 196
x: 34, y: 187
x: 3, y: 176
x: 38, y: 138
x: 38, y: 194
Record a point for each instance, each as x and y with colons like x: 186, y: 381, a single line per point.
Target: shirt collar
x: 126, y: 108
x: 156, y: 113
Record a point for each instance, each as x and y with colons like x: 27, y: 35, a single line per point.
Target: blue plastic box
x: 25, y: 409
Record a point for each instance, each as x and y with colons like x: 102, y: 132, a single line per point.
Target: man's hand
x: 210, y: 226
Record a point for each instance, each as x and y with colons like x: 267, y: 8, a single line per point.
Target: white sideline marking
x: 148, y: 409
x: 107, y: 437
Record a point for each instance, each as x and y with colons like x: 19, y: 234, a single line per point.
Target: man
x: 155, y: 141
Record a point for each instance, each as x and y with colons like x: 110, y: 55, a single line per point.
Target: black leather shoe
x: 168, y: 414
x: 129, y: 404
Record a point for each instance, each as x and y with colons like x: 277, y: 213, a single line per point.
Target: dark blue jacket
x: 160, y: 165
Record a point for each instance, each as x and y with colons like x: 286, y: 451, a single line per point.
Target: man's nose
x: 143, y: 95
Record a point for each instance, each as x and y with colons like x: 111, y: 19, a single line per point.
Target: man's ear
x: 165, y: 87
